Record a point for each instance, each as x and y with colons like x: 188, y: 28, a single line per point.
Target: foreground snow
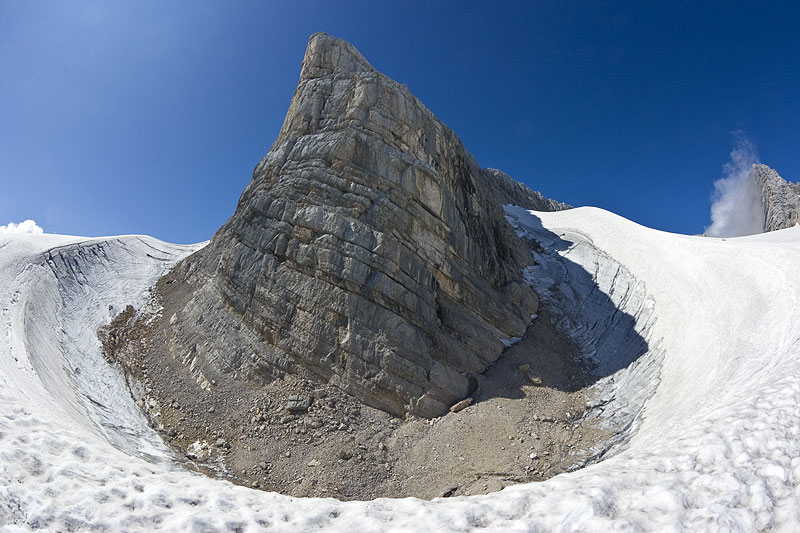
x: 717, y: 445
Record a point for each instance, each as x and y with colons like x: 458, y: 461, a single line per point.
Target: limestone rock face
x: 780, y: 198
x: 369, y: 250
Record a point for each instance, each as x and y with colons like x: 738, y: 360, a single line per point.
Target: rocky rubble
x: 303, y: 438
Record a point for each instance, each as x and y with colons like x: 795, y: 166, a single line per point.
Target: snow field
x: 716, y: 445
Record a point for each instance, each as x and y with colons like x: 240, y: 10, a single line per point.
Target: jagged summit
x: 780, y: 199
x: 327, y: 55
x: 369, y: 251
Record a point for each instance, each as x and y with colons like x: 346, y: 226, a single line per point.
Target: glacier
x: 709, y: 410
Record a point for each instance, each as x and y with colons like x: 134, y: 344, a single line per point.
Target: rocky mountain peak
x: 369, y: 251
x: 780, y: 199
x: 327, y: 55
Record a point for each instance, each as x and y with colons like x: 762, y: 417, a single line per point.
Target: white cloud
x: 736, y: 204
x: 28, y: 226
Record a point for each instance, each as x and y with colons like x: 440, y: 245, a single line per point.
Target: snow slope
x: 716, y: 445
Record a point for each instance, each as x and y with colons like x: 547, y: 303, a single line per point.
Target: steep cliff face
x: 369, y: 250
x: 779, y: 198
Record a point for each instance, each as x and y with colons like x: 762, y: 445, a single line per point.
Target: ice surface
x: 716, y: 447
x: 607, y: 311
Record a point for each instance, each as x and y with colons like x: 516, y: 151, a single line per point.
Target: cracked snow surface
x: 695, y: 343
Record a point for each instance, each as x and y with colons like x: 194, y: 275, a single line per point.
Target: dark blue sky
x: 149, y: 116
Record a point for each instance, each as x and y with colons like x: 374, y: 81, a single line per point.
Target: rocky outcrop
x: 508, y: 191
x: 369, y: 250
x: 779, y: 198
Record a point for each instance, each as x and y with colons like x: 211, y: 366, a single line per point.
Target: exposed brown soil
x: 304, y: 438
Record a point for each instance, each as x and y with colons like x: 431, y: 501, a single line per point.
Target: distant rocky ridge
x: 369, y: 250
x: 779, y: 198
x: 511, y: 192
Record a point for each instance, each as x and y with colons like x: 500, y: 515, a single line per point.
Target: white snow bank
x: 718, y: 446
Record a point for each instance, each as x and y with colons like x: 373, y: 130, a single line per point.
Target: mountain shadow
x: 594, y: 330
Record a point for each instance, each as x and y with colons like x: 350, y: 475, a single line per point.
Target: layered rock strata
x: 779, y: 198
x: 369, y: 250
